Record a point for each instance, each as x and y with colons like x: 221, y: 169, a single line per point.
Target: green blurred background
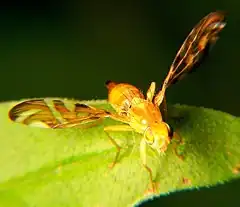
x: 69, y: 49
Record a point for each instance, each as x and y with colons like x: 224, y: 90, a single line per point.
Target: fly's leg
x: 151, y: 91
x: 176, y: 136
x: 116, y: 128
x: 163, y: 109
x: 117, y: 147
x: 178, y: 142
x: 143, y: 155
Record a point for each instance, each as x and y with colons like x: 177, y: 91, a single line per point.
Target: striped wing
x: 54, y: 113
x: 197, y: 45
x: 193, y: 50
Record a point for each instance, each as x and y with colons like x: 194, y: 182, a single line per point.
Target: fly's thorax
x: 123, y: 96
x: 144, y: 114
x: 146, y: 119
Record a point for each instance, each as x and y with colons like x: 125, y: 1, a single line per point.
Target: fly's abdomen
x: 122, y: 96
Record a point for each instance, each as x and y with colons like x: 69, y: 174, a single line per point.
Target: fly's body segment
x: 135, y: 111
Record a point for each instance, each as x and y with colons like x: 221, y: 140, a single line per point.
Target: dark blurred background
x: 69, y: 49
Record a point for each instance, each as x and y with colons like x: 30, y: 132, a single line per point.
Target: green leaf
x: 69, y: 167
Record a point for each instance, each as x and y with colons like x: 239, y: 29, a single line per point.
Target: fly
x: 144, y: 115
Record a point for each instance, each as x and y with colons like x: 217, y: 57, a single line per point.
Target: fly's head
x: 158, y: 136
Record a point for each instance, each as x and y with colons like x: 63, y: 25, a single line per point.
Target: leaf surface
x: 69, y: 167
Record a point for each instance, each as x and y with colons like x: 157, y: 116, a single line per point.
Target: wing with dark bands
x: 196, y: 46
x: 54, y: 114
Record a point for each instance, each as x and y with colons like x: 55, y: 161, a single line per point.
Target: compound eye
x: 149, y: 136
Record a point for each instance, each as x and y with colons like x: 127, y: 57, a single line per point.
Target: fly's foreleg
x: 143, y: 155
x: 116, y: 128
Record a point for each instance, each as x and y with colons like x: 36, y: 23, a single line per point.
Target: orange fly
x: 144, y: 115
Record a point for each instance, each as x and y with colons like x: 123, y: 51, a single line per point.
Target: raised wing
x: 193, y: 50
x: 54, y: 113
